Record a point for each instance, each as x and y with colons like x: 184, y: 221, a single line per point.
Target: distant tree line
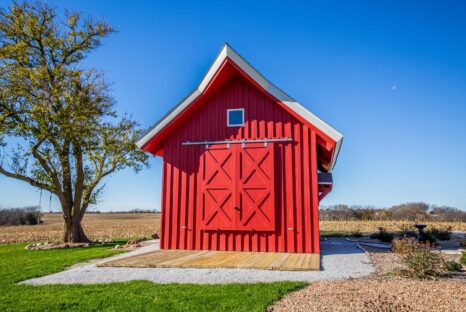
x: 20, y: 216
x: 136, y: 210
x: 408, y: 211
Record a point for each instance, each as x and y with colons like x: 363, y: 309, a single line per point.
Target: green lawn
x: 17, y: 264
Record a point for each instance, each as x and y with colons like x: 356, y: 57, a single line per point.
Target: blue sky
x: 391, y: 76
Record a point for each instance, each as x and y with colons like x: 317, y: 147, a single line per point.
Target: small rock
x: 39, y: 244
x: 155, y: 236
x: 117, y: 246
x: 28, y: 246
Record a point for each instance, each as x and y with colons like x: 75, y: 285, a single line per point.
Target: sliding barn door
x: 255, y: 188
x: 217, y: 188
x: 237, y: 187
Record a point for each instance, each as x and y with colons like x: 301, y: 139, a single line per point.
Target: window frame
x: 235, y: 110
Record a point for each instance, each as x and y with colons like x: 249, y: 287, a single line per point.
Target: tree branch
x: 58, y: 189
x: 26, y: 179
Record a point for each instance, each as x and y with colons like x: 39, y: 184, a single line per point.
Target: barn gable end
x: 229, y: 63
x: 257, y: 188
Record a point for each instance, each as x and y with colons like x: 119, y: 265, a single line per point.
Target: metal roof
x: 228, y: 52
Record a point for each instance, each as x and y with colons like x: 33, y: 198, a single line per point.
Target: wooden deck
x: 220, y: 259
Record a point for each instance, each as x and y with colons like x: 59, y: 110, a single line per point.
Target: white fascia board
x: 256, y: 76
x: 288, y: 101
x: 198, y: 91
x: 321, y: 125
x: 228, y: 52
x: 335, y: 154
x: 213, y: 69
x: 168, y: 118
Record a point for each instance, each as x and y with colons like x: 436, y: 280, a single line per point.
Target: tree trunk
x: 73, y: 231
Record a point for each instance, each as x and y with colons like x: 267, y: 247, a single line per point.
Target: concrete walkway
x: 341, y: 259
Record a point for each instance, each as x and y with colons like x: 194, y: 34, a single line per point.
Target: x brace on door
x: 236, y: 187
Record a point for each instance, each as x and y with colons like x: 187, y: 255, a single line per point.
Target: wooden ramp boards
x: 220, y: 259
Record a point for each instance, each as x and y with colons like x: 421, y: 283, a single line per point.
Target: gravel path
x: 340, y: 260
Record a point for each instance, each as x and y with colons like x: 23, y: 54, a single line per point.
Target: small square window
x: 235, y: 117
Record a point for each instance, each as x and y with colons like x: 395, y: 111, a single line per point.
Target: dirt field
x: 136, y: 225
x: 97, y: 226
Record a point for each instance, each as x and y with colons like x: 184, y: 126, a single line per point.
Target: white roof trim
x: 227, y: 51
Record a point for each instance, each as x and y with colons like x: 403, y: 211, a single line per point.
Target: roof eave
x: 228, y: 52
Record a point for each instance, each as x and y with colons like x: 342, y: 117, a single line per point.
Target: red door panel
x: 237, y: 186
x: 256, y: 188
x: 217, y: 188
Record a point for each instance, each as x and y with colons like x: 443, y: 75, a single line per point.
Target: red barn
x: 244, y: 165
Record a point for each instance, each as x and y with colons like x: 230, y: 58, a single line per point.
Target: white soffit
x: 228, y: 52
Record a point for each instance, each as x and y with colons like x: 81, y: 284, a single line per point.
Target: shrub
x: 453, y: 266
x: 382, y: 235
x: 440, y: 234
x: 463, y: 243
x: 424, y: 264
x: 356, y: 234
x: 405, y: 245
x: 429, y: 238
x: 407, y: 230
x: 463, y: 258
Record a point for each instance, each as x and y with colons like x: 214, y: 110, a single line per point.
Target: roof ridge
x: 228, y: 52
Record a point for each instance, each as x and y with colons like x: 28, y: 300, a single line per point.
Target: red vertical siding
x: 295, y: 175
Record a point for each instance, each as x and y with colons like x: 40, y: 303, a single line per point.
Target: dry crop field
x: 97, y: 226
x: 137, y: 225
x: 373, y: 226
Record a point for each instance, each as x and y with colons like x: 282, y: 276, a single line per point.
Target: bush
x: 382, y: 235
x: 463, y: 243
x: 20, y: 216
x: 440, y: 234
x: 407, y: 230
x: 463, y: 258
x: 405, y: 245
x: 429, y: 238
x: 424, y: 264
x: 356, y: 234
x: 453, y: 266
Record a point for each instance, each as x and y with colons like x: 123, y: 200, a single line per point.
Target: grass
x: 18, y: 264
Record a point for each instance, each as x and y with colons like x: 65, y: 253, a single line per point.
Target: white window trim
x: 228, y: 117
